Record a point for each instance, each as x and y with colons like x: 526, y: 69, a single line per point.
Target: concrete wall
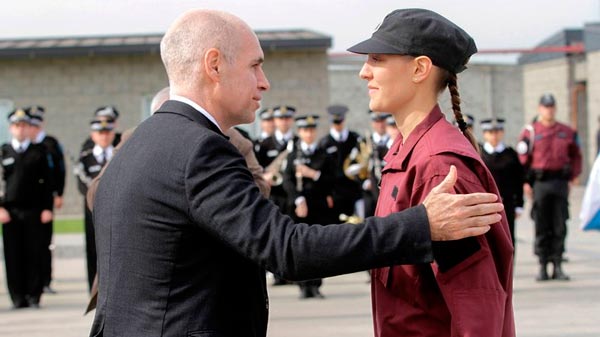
x: 486, y: 91
x: 298, y: 79
x: 549, y: 76
x: 593, y: 102
x: 71, y: 88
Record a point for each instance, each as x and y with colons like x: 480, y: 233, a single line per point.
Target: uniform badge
x: 272, y: 153
x: 95, y: 168
x: 8, y: 161
x: 522, y: 147
x: 331, y: 149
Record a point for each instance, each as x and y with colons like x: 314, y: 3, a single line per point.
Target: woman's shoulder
x: 442, y: 138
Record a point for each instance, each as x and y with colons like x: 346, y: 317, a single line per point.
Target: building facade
x: 487, y: 90
x: 572, y: 74
x: 71, y: 77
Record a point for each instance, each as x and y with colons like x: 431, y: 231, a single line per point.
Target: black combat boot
x: 306, y: 292
x: 558, y: 273
x: 543, y: 275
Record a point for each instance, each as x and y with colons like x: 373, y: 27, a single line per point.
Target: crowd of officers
x: 33, y: 182
x: 331, y: 180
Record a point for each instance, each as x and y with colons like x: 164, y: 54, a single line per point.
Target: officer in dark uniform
x: 89, y: 166
x: 503, y: 162
x: 343, y: 147
x: 270, y: 155
x: 267, y: 124
x: 108, y: 112
x: 308, y: 182
x: 25, y: 207
x: 267, y: 129
x: 273, y: 145
x: 57, y: 169
x: 550, y: 153
x: 379, y: 145
x: 391, y: 129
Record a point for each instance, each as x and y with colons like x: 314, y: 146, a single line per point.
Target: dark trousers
x: 370, y: 202
x: 23, y: 256
x: 550, y: 213
x: 90, y: 246
x: 47, y: 231
x: 509, y: 208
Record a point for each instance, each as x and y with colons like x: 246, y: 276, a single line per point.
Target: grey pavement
x: 549, y: 309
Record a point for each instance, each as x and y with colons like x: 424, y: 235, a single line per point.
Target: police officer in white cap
x: 91, y: 162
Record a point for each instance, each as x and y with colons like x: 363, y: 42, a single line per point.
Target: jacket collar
x: 399, y: 154
x: 186, y: 110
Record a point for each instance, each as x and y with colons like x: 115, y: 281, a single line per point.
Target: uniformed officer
x: 107, y: 112
x: 57, y: 169
x: 272, y: 154
x: 344, y: 146
x: 267, y: 124
x: 267, y: 129
x: 25, y: 207
x: 272, y: 145
x: 89, y: 166
x: 550, y: 153
x: 503, y: 162
x: 308, y: 182
x: 391, y: 128
x: 379, y: 146
x: 469, y: 121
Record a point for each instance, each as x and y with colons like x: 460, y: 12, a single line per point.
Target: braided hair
x: 452, y: 84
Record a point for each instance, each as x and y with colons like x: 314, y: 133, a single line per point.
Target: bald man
x: 183, y: 233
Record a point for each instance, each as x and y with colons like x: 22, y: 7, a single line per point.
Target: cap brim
x: 373, y: 46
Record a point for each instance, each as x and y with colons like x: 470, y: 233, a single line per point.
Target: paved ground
x: 549, y: 309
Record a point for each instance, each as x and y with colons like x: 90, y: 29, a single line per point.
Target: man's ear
x: 422, y: 68
x: 212, y: 64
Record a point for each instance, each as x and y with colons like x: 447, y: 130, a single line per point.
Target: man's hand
x: 456, y: 216
x: 58, y: 202
x: 4, y: 215
x: 528, y: 191
x: 46, y: 216
x: 302, y: 210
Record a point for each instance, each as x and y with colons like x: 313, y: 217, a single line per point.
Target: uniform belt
x: 550, y: 174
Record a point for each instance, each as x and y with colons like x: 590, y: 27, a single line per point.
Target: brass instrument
x: 375, y: 163
x: 352, y: 219
x: 277, y: 166
x: 356, y: 165
x: 299, y: 161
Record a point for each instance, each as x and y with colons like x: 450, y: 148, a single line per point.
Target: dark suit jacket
x: 184, y: 236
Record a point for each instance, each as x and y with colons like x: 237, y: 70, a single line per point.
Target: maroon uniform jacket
x: 467, y: 290
x: 555, y: 148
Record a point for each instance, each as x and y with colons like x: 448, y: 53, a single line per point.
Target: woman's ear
x: 422, y: 68
x: 211, y: 64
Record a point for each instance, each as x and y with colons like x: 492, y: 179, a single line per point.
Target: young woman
x: 503, y: 162
x: 467, y: 291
